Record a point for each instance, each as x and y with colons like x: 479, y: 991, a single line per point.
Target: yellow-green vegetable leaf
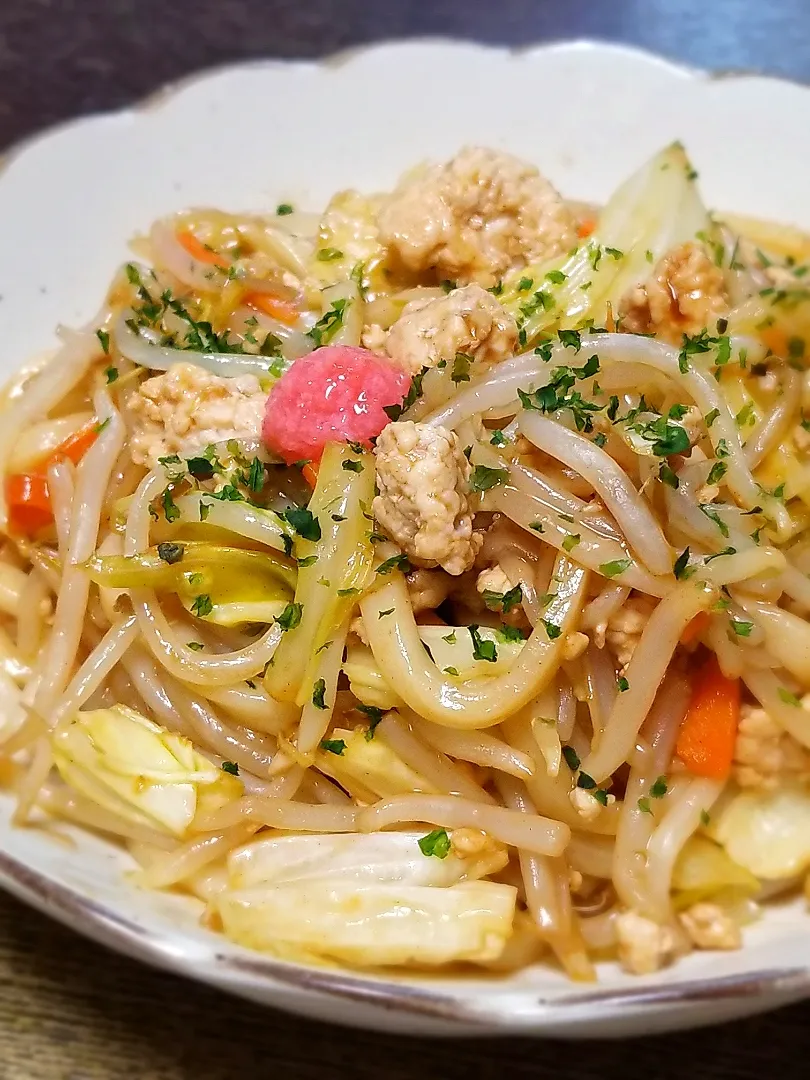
x: 125, y: 763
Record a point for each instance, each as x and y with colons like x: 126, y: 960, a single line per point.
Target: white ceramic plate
x: 255, y: 135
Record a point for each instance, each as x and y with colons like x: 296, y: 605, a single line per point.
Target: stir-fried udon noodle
x: 425, y: 582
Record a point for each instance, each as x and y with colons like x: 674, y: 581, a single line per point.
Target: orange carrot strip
x: 776, y: 340
x: 76, y: 445
x: 586, y: 227
x: 29, y: 503
x: 310, y: 474
x: 284, y: 311
x: 27, y: 495
x: 695, y: 628
x: 197, y: 250
x: 708, y: 732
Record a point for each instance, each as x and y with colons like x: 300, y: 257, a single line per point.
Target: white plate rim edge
x: 246, y: 975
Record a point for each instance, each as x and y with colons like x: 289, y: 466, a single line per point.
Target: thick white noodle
x: 529, y: 831
x: 645, y: 672
x: 631, y: 511
x: 92, y: 477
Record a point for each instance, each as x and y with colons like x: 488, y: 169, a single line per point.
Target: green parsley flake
x: 329, y: 254
x: 483, y: 649
x: 622, y: 684
x: 202, y: 606
x: 483, y: 477
x: 170, y: 509
x: 717, y: 472
x: 171, y: 553
x: 571, y: 758
x: 304, y: 522
x: 201, y: 468
x: 552, y: 630
x: 374, y: 715
x: 436, y: 843
x: 615, y: 567
x: 667, y: 476
x: 746, y: 415
x: 290, y: 616
x: 104, y: 338
x: 230, y: 767
x: 788, y: 698
x: 681, y: 569
x: 659, y: 788
x: 393, y: 412
x: 328, y: 325
x: 505, y: 601
x: 318, y: 692
x: 570, y: 339
x: 332, y: 746
x: 461, y: 368
x: 712, y: 514
x: 719, y: 554
x: 396, y: 562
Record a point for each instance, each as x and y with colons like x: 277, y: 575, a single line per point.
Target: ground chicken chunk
x: 423, y: 477
x: 427, y: 589
x: 624, y: 629
x: 587, y: 805
x: 374, y: 337
x: 684, y: 294
x: 494, y: 579
x: 476, y: 217
x: 765, y: 755
x: 188, y: 408
x: 644, y: 946
x: 709, y: 927
x: 467, y: 842
x: 468, y: 320
x: 574, y: 646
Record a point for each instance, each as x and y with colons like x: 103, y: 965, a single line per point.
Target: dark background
x: 67, y: 1008
x: 62, y: 57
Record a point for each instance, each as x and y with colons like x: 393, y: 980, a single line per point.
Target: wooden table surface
x: 69, y: 1010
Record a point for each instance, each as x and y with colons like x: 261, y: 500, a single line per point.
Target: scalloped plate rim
x: 262, y: 978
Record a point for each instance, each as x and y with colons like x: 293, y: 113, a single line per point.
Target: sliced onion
x: 170, y: 253
x: 136, y: 348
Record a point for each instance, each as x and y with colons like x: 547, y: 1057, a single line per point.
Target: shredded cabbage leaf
x: 125, y: 763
